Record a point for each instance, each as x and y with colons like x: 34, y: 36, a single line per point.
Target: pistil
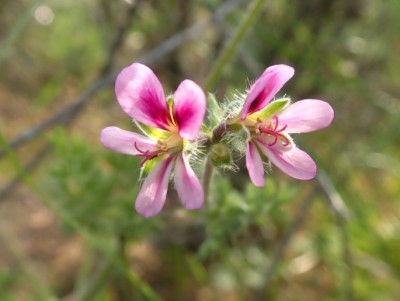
x: 272, y: 129
x: 148, y: 155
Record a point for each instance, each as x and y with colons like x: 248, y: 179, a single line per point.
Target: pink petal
x: 254, y: 165
x: 141, y: 96
x: 291, y: 160
x: 189, y: 108
x: 187, y: 184
x: 306, y: 116
x: 265, y: 88
x: 125, y: 142
x: 153, y: 193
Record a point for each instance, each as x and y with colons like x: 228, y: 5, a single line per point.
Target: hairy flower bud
x: 220, y: 154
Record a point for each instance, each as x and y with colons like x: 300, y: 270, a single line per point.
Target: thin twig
x: 332, y: 196
x: 227, y: 54
x: 342, y: 215
x: 33, y: 278
x: 17, y: 29
x: 118, y: 40
x: 243, y: 55
x: 88, y: 291
x: 283, y: 245
x: 30, y: 166
x: 62, y: 116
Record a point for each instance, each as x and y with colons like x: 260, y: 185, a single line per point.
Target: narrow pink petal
x: 125, y: 142
x: 187, y: 184
x: 141, y: 96
x: 294, y: 162
x: 265, y: 88
x: 254, y: 165
x: 306, y: 116
x: 189, y: 108
x: 153, y: 193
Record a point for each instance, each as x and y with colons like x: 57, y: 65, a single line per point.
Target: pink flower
x: 168, y: 124
x: 270, y: 123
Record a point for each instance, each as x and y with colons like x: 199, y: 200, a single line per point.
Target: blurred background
x: 68, y: 230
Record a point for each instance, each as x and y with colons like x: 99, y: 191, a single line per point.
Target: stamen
x: 257, y: 126
x: 162, y: 145
x: 273, y: 131
x: 146, y: 154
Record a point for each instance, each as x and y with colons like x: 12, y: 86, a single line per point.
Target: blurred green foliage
x: 345, y: 52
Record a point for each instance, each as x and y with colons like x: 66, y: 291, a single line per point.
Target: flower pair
x: 171, y: 125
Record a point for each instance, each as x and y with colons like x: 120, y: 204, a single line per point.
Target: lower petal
x: 187, y: 184
x: 294, y: 162
x: 306, y: 116
x: 254, y: 165
x: 125, y: 142
x: 153, y: 193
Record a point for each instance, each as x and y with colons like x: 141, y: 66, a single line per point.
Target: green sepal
x: 148, y: 166
x: 233, y: 120
x: 206, y: 130
x: 152, y: 132
x: 235, y: 127
x: 274, y: 107
x: 214, y: 110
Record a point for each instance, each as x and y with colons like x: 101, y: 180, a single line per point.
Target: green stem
x: 207, y: 176
x: 22, y: 261
x: 248, y: 20
x: 94, y: 284
x: 16, y: 31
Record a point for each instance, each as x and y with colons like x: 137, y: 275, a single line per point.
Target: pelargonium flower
x: 168, y: 124
x: 270, y: 123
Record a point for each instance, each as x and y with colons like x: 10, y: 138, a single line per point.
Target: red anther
x: 275, y: 132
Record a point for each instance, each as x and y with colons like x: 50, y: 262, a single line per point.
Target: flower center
x: 272, y: 129
x: 171, y: 145
x: 147, y: 155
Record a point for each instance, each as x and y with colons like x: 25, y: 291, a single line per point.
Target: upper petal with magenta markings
x: 141, y: 96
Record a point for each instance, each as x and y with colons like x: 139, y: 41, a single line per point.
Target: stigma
x: 272, y: 128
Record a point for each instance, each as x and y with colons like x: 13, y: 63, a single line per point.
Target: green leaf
x: 274, y: 107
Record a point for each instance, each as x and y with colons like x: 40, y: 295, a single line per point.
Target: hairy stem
x: 207, y: 176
